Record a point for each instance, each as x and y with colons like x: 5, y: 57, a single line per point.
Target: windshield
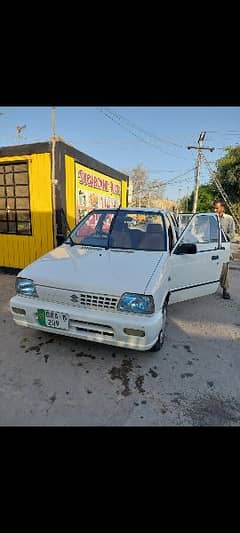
x: 127, y: 230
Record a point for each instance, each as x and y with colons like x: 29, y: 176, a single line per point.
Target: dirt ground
x: 49, y: 380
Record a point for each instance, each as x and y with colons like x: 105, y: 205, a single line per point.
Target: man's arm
x: 231, y: 231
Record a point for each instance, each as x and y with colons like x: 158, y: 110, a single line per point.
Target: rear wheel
x: 158, y: 345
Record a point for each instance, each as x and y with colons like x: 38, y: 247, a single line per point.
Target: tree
x: 144, y: 191
x: 154, y: 192
x: 228, y: 173
x: 206, y: 197
x: 137, y: 183
x: 184, y: 205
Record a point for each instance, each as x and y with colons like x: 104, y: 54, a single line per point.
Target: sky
x: 123, y: 137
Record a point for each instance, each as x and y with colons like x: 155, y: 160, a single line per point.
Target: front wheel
x: 158, y: 345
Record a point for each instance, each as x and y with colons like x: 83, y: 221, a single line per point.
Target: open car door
x: 197, y: 258
x: 183, y: 220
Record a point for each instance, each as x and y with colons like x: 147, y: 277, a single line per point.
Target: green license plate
x: 52, y: 319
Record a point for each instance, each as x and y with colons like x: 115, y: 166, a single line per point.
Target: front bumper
x: 88, y: 324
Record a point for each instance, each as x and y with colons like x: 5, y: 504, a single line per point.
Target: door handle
x: 214, y: 257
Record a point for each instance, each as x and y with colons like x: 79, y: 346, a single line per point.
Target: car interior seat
x: 153, y: 238
x: 120, y: 235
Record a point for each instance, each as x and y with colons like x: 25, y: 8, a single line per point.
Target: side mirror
x: 186, y: 248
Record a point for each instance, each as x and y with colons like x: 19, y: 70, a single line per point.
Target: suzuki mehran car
x: 113, y: 278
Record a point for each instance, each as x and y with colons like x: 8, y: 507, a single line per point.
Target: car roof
x: 135, y: 209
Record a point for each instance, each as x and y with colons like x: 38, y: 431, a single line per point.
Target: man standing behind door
x: 228, y: 226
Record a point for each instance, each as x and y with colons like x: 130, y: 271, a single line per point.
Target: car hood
x: 94, y: 269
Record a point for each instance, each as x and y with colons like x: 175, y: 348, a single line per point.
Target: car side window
x: 203, y: 230
x: 183, y: 219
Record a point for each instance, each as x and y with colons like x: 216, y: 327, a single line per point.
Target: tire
x: 158, y: 345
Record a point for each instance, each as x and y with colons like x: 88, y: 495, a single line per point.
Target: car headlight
x: 26, y: 287
x: 136, y: 303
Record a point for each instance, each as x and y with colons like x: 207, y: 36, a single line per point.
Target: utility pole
x: 187, y: 200
x: 19, y: 130
x: 199, y: 148
x: 179, y: 199
x: 53, y: 141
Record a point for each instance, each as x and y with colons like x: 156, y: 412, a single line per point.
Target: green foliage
x: 206, y: 197
x: 228, y: 173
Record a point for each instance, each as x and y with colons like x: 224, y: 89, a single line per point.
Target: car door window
x: 203, y: 230
x: 183, y: 219
x: 196, y: 260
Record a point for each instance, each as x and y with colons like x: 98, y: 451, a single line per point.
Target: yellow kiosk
x: 39, y: 203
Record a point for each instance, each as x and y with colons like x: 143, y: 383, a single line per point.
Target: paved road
x: 194, y: 380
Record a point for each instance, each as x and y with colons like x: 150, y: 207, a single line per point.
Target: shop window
x: 15, y: 214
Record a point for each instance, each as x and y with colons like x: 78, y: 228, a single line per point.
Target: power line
x: 162, y: 170
x: 151, y: 135
x: 112, y: 116
x: 177, y: 177
x: 222, y: 131
x: 132, y: 132
x: 188, y: 180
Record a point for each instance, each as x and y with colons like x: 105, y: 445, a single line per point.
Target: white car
x: 182, y: 221
x: 113, y: 278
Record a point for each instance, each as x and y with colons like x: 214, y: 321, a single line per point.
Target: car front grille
x: 78, y: 299
x: 97, y: 300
